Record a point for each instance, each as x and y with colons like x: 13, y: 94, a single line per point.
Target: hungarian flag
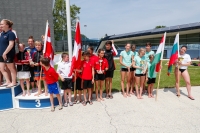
x: 155, y: 65
x: 76, y: 58
x: 174, y: 54
x: 48, y: 48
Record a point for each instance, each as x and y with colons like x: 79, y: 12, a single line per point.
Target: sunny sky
x: 124, y: 16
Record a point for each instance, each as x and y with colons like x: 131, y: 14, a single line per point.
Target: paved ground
x: 124, y: 115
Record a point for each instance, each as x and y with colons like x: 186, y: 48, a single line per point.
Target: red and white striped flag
x: 76, y: 58
x: 48, y: 48
x: 114, y: 50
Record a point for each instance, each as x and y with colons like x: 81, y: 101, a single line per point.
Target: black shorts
x: 87, y: 84
x: 78, y: 84
x: 151, y: 80
x: 139, y: 75
x: 67, y: 84
x: 109, y: 74
x: 8, y: 60
x: 32, y: 74
x: 99, y: 76
x: 182, y: 70
x: 124, y: 69
x: 132, y: 69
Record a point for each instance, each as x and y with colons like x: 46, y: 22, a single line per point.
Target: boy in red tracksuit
x: 51, y: 80
x: 101, y: 65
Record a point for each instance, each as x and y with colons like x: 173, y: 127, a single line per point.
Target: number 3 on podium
x: 38, y: 104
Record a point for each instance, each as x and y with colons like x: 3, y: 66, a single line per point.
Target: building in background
x: 189, y: 36
x: 29, y: 17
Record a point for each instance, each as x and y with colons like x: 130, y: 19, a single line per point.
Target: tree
x: 59, y: 18
x: 160, y: 26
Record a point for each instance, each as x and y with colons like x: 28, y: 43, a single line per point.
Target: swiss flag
x: 76, y: 58
x: 48, y: 48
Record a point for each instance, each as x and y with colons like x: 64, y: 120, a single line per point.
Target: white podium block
x: 34, y: 102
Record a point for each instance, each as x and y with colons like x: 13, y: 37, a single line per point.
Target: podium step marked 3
x: 34, y: 102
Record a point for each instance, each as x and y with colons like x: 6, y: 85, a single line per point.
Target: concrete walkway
x: 123, y: 115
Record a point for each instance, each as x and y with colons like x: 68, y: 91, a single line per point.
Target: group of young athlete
x: 135, y: 68
x: 92, y: 72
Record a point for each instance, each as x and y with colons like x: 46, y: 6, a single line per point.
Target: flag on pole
x: 174, y: 54
x: 114, y: 50
x: 155, y: 65
x: 76, y: 57
x: 48, y: 48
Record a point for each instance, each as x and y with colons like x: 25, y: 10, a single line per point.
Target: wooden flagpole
x: 74, y: 81
x: 45, y: 41
x: 178, y: 77
x: 158, y: 81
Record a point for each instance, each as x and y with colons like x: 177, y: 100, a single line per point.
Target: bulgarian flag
x: 76, y: 58
x: 155, y: 65
x: 48, y: 48
x: 174, y: 54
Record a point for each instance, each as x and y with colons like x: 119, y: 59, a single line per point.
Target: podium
x: 34, y: 102
x: 12, y: 98
x: 7, y: 96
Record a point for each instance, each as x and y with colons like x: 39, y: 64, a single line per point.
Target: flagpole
x: 69, y: 33
x: 178, y: 77
x: 158, y: 81
x: 75, y: 81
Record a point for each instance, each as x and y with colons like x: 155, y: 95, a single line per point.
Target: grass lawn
x: 165, y: 81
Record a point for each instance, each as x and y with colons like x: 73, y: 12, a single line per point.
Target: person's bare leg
x: 69, y: 95
x: 5, y: 74
x: 107, y: 85
x: 75, y: 96
x: 79, y: 94
x: 65, y: 96
x: 13, y: 72
x: 9, y: 73
x: 131, y: 81
x: 97, y: 89
x: 45, y: 88
x: 133, y: 84
x: 101, y: 89
x: 176, y: 73
x: 89, y: 93
x: 39, y: 88
x: 84, y: 94
x: 128, y: 76
x: 144, y: 86
x: 59, y: 99
x: 149, y: 90
x: 186, y: 77
x: 51, y: 100
x: 137, y: 82
x: 110, y: 86
x: 22, y: 86
x: 92, y: 90
x: 152, y: 86
x: 28, y: 86
x: 122, y: 83
x: 142, y: 80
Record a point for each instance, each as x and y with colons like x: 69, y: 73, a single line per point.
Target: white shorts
x: 23, y: 75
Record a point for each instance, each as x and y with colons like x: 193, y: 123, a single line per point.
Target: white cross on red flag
x: 76, y: 58
x: 48, y: 48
